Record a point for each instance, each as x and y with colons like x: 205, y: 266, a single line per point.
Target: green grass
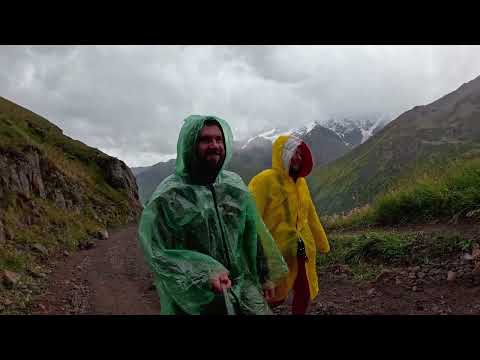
x: 456, y: 192
x: 55, y: 229
x: 356, y: 218
x: 13, y: 259
x: 368, y: 253
x: 443, y: 193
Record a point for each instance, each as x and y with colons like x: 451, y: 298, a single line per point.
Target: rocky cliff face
x: 56, y: 195
x: 119, y: 176
x: 43, y: 172
x: 28, y: 175
x: 20, y: 173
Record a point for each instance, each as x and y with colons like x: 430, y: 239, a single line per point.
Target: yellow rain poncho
x: 288, y: 212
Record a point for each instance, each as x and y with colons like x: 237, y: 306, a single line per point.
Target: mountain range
x: 328, y: 140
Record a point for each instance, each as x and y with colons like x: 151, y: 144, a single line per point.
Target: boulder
x: 40, y: 249
x: 10, y: 278
x: 102, y: 234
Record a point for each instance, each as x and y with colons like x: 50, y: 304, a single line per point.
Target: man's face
x: 211, y: 147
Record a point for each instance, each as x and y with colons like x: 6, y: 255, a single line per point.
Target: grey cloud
x: 130, y: 100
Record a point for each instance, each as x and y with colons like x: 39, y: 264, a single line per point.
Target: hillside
x: 56, y: 193
x: 421, y: 139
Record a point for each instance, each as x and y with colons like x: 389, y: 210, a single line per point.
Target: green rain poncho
x: 189, y: 232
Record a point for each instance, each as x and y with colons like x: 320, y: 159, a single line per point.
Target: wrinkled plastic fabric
x: 186, y: 239
x: 289, y: 149
x: 289, y: 213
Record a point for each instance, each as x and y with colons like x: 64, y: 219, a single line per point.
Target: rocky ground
x: 441, y: 286
x: 444, y: 288
x: 110, y: 276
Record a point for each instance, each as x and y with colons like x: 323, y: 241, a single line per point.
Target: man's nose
x: 213, y: 144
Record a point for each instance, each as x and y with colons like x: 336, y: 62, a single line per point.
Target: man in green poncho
x: 201, y: 234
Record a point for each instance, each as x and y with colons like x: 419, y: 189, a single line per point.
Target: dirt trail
x: 112, y: 278
x: 408, y: 290
x: 396, y: 294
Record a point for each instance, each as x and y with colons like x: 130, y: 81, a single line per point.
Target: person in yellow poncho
x: 283, y: 200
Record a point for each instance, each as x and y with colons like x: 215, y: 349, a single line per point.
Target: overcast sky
x: 130, y: 101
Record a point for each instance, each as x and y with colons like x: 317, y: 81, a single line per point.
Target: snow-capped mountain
x: 355, y: 131
x: 352, y: 131
x: 268, y: 136
x: 255, y: 154
x: 328, y: 140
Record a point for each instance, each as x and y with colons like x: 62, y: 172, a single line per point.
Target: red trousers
x: 301, y: 290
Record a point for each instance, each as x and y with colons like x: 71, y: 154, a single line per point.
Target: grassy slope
x: 429, y: 194
x: 23, y: 131
x: 425, y: 137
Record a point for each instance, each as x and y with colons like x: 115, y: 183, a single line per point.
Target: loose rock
x: 467, y: 257
x: 451, y: 276
x: 10, y: 278
x: 40, y: 248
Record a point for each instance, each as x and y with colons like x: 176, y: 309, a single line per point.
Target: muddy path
x: 403, y: 292
x: 112, y: 278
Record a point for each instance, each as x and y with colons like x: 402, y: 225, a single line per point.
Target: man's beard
x: 211, y: 166
x: 208, y: 169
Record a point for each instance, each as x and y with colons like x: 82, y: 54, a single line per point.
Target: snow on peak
x: 342, y: 126
x: 365, y: 124
x: 304, y: 130
x: 366, y: 134
x: 311, y: 126
x: 270, y: 135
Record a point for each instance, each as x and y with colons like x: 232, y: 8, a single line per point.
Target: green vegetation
x: 368, y: 253
x: 457, y: 192
x: 443, y: 193
x: 425, y: 137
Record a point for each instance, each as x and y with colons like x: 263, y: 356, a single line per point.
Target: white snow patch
x: 270, y: 135
x: 267, y: 133
x: 366, y: 134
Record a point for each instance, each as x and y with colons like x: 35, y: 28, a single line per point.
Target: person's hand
x: 269, y: 294
x: 268, y: 291
x: 220, y: 281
